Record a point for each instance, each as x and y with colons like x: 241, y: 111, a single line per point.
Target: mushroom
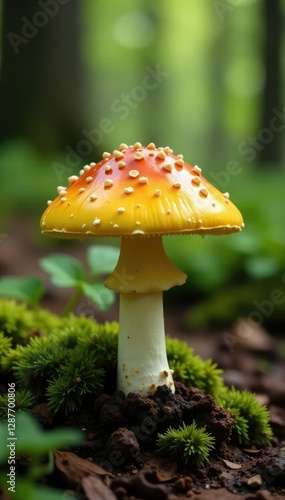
x: 140, y: 194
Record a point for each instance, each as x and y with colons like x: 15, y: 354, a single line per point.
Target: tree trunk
x: 272, y: 140
x: 41, y: 95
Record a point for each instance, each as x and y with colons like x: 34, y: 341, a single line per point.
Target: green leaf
x: 101, y: 296
x: 261, y: 267
x: 28, y: 289
x: 65, y: 271
x: 102, y: 259
x: 33, y: 441
x: 26, y: 488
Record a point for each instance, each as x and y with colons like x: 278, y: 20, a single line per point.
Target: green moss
x: 188, y: 443
x: 37, y: 363
x: 191, y: 369
x: 19, y: 323
x: 74, y: 330
x: 10, y: 357
x: 81, y: 375
x: 16, y: 321
x: 66, y: 362
x: 5, y: 344
x: 107, y: 343
x: 251, y: 419
x: 24, y: 400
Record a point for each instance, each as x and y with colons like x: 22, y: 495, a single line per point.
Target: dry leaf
x: 73, y: 468
x: 252, y: 451
x: 95, y: 489
x: 254, y: 481
x: 232, y: 465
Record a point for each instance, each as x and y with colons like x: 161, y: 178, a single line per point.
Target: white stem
x: 142, y: 361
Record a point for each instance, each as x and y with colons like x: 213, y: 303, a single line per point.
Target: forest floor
x: 253, y: 360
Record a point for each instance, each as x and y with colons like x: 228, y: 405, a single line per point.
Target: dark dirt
x: 118, y: 460
x: 120, y: 452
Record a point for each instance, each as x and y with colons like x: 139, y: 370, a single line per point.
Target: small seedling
x: 28, y: 289
x: 67, y: 272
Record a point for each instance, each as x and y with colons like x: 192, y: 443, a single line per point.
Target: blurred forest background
x: 203, y: 77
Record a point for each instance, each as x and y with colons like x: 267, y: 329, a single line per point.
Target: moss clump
x: 37, y: 363
x: 5, y: 344
x: 16, y: 321
x: 192, y: 370
x: 251, y: 419
x: 65, y: 363
x: 79, y: 376
x: 188, y: 443
x: 62, y: 361
x: 19, y: 323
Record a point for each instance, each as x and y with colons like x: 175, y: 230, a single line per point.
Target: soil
x: 118, y: 460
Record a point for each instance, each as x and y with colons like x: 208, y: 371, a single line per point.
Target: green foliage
x: 235, y: 301
x: 191, y: 369
x: 28, y: 289
x: 251, y: 419
x: 66, y: 271
x: 34, y: 441
x: 24, y: 400
x: 37, y: 444
x: 188, y: 443
x: 79, y: 376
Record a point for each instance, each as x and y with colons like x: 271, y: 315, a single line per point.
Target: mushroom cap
x: 140, y: 191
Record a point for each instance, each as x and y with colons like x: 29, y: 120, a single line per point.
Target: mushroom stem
x: 142, y: 360
x: 142, y: 273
